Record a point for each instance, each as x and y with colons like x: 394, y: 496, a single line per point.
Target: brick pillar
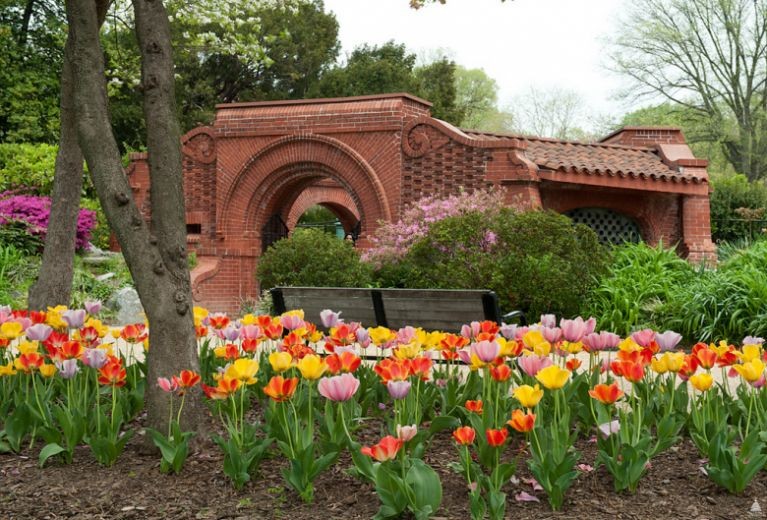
x: 696, y: 229
x: 522, y: 195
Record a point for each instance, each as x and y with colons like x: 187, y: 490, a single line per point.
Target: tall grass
x: 640, y: 281
x: 653, y: 287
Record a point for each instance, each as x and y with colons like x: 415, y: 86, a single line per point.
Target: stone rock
x: 127, y: 306
x: 104, y: 277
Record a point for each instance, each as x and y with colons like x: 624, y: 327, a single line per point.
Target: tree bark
x: 54, y: 280
x: 157, y: 262
x: 166, y: 193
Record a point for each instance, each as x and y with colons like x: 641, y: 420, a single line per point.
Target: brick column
x: 696, y: 229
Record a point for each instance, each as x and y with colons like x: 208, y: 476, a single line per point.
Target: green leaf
x: 425, y: 486
x: 48, y: 451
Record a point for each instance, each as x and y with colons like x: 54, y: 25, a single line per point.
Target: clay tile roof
x: 596, y: 158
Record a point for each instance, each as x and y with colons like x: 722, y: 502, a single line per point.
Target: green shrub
x: 101, y: 232
x: 27, y: 165
x: 536, y: 261
x: 310, y: 257
x: 738, y: 208
x: 639, y: 281
x: 729, y: 302
x: 17, y: 272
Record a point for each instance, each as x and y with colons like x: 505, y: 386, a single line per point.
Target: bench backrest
x: 432, y: 309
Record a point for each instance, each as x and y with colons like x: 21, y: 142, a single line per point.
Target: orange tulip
x: 226, y: 387
x: 112, y: 373
x: 496, y: 438
x: 573, y: 364
x: 134, y: 333
x: 218, y: 321
x: 464, y: 435
x: 392, y: 370
x: 386, y: 449
x: 501, y: 372
x: 29, y: 362
x: 187, y: 379
x: 474, y: 406
x: 281, y: 389
x: 706, y: 356
x: 344, y: 362
x: 522, y: 422
x: 420, y: 367
x: 606, y: 394
x: 71, y: 350
x: 273, y: 330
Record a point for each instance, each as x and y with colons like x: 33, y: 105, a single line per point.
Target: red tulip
x: 344, y: 362
x: 474, y: 406
x: 464, y: 435
x: 112, y: 373
x: 385, y: 450
x: 501, y: 372
x: 496, y: 438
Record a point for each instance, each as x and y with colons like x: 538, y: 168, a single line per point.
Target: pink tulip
x: 486, y: 351
x: 548, y: 320
x: 363, y: 337
x: 533, y: 364
x: 573, y: 330
x: 330, y: 319
x: 668, y: 340
x: 398, y: 389
x: 644, y: 337
x: 38, y: 332
x: 406, y: 335
x: 291, y: 322
x: 608, y: 429
x: 509, y: 331
x: 591, y: 325
x: 74, y: 318
x: 759, y: 383
x: 551, y: 334
x: 601, y: 341
x: 167, y: 385
x: 405, y: 433
x: 92, y: 307
x: 338, y: 388
x: 470, y: 331
x: 464, y: 355
x: 250, y: 332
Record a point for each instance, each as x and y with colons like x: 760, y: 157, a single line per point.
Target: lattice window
x: 610, y: 227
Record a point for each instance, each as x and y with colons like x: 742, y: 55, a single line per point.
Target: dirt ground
x: 674, y: 487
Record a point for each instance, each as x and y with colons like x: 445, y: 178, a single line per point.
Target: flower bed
x: 543, y: 403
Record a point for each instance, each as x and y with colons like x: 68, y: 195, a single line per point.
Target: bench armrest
x: 515, y: 314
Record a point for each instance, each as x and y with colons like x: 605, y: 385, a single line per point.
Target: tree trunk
x: 166, y: 193
x: 156, y: 262
x: 54, y: 281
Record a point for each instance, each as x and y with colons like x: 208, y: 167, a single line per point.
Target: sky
x: 522, y: 44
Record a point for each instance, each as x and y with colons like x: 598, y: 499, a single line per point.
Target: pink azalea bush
x: 393, y: 240
x: 34, y: 211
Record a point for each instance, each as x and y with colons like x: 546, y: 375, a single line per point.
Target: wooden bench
x: 431, y: 309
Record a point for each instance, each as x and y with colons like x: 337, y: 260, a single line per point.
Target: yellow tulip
x: 115, y: 332
x: 199, y: 313
x: 433, y: 339
x: 7, y: 370
x: 315, y: 336
x: 248, y: 319
x: 96, y: 324
x: 749, y: 352
x: 47, y: 370
x: 535, y: 342
x: 528, y: 396
x: 311, y: 367
x: 295, y: 312
x: 243, y: 369
x: 53, y: 317
x: 702, y: 381
x: 27, y: 347
x: 381, y: 335
x: 750, y: 371
x: 280, y: 361
x: 659, y: 365
x: 629, y: 345
x: 572, y: 347
x: 674, y: 361
x: 11, y: 330
x: 553, y: 377
x: 409, y: 351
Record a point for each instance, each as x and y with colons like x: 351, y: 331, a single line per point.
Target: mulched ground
x: 134, y: 488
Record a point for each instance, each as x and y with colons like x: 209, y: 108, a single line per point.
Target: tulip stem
x: 170, y: 414
x: 343, y: 421
x: 750, y: 407
x: 287, y: 430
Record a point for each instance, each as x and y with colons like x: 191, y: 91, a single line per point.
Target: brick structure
x: 250, y: 176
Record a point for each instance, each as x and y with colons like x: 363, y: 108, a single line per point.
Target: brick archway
x: 271, y: 180
x: 259, y: 160
x: 330, y: 195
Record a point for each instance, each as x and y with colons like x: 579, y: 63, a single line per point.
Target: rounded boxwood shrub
x: 312, y: 258
x: 536, y: 261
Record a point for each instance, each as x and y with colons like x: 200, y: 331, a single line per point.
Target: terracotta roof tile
x: 595, y: 158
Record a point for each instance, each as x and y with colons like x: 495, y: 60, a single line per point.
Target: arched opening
x: 611, y: 227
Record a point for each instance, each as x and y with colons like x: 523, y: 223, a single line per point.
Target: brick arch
x: 271, y: 180
x: 335, y: 198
